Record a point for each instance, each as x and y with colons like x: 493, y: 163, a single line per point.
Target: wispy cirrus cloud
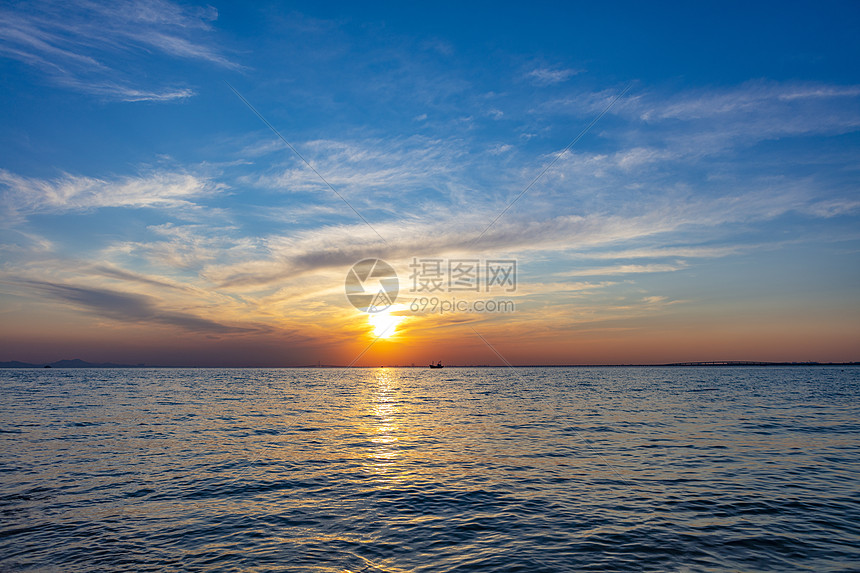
x: 96, y: 48
x: 187, y: 247
x: 709, y: 122
x: 626, y: 270
x: 21, y: 196
x: 113, y: 90
x: 752, y: 98
x: 398, y: 175
x: 692, y: 252
x: 326, y: 248
x: 546, y: 76
x: 713, y: 119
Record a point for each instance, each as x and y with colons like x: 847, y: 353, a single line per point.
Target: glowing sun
x: 385, y: 323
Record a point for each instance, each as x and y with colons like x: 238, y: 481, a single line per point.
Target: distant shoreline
x: 77, y: 363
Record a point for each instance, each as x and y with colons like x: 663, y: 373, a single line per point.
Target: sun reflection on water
x: 385, y: 413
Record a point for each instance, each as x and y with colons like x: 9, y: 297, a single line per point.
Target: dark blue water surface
x: 459, y: 469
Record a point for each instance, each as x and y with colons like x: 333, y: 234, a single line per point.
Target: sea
x: 723, y: 468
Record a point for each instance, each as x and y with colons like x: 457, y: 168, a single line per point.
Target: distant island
x: 74, y: 363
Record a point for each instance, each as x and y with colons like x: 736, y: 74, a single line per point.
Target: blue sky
x: 148, y: 215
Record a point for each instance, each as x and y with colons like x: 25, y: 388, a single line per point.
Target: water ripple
x: 394, y: 470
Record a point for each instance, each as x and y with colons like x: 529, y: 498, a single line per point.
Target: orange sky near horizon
x: 525, y: 337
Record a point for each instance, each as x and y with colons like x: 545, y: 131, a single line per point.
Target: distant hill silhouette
x: 73, y: 363
x: 18, y: 364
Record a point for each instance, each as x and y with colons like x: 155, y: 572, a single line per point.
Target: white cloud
x: 833, y: 207
x: 190, y: 246
x: 655, y: 299
x: 637, y: 157
x: 664, y: 252
x: 545, y: 76
x: 371, y: 174
x: 88, y: 47
x: 704, y: 121
x: 626, y: 270
x: 758, y: 98
x: 114, y: 90
x: 501, y: 148
x: 820, y: 91
x: 22, y: 196
x: 712, y: 121
x: 452, y: 235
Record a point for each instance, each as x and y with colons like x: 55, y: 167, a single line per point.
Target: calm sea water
x: 368, y: 470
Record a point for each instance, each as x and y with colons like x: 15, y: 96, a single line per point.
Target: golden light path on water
x: 384, y: 411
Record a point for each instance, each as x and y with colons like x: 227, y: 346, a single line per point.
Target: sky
x: 189, y: 184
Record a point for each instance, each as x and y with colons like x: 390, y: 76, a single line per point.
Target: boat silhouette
x: 439, y: 365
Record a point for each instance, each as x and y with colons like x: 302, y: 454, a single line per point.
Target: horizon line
x: 78, y: 363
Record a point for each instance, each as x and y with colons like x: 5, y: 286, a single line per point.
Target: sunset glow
x: 385, y: 323
x: 192, y: 185
x: 342, y: 287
